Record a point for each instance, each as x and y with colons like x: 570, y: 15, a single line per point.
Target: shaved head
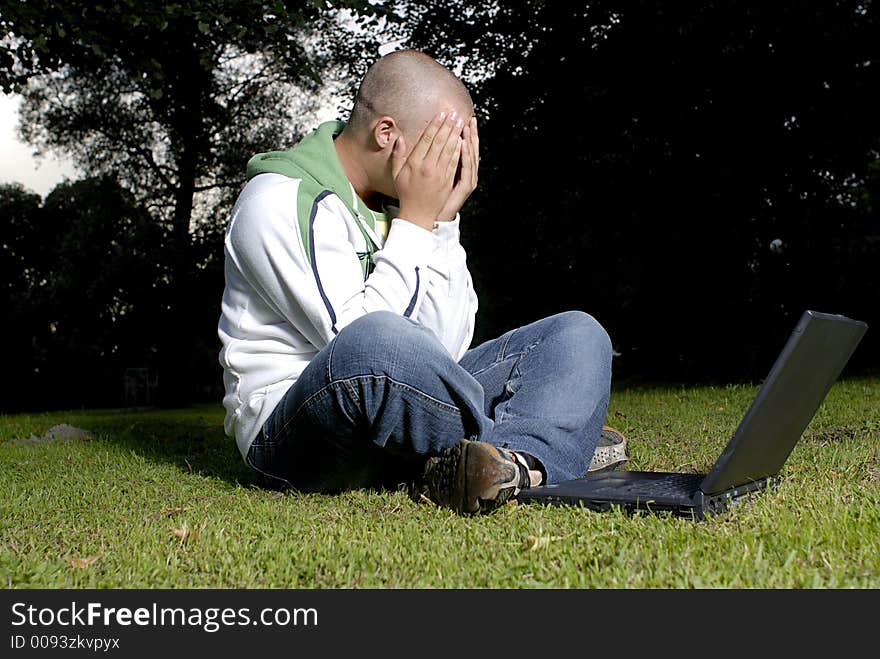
x: 399, y: 96
x: 410, y: 87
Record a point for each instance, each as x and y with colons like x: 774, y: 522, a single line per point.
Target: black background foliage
x: 694, y: 175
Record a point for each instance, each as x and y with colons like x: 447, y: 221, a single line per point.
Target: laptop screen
x: 804, y: 372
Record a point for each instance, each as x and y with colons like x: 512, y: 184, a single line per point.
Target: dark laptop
x: 808, y: 365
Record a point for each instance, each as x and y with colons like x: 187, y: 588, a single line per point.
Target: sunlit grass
x: 162, y: 499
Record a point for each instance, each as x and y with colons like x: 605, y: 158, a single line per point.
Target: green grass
x: 119, y: 497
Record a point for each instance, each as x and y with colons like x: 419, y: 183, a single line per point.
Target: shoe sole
x: 483, y: 478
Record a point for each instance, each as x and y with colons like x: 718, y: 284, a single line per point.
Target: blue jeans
x: 385, y: 394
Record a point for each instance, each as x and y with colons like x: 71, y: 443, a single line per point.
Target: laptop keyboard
x: 671, y: 484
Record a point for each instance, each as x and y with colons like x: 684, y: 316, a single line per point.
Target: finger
x: 452, y: 148
x: 454, y: 159
x: 444, y: 143
x: 467, y: 159
x: 427, y: 138
x: 475, y: 145
x: 398, y: 155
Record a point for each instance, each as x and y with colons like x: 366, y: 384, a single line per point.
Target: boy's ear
x: 385, y: 132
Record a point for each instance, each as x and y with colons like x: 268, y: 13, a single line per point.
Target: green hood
x: 314, y: 161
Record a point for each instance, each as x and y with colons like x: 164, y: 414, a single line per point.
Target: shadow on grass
x: 191, y: 439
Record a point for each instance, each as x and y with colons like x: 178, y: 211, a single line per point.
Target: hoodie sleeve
x: 308, y: 271
x: 449, y: 306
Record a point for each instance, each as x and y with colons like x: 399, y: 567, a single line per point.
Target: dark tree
x: 21, y: 258
x: 19, y: 240
x: 694, y: 174
x: 171, y: 99
x: 84, y: 304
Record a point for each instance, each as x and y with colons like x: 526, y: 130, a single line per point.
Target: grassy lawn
x: 162, y: 499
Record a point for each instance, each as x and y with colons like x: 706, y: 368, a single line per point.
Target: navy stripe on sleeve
x: 314, y: 260
x: 412, y: 302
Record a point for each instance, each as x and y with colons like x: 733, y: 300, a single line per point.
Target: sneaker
x: 473, y: 477
x: 611, y: 451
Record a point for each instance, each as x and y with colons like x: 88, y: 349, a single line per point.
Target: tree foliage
x: 695, y: 174
x: 171, y: 99
x: 82, y: 297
